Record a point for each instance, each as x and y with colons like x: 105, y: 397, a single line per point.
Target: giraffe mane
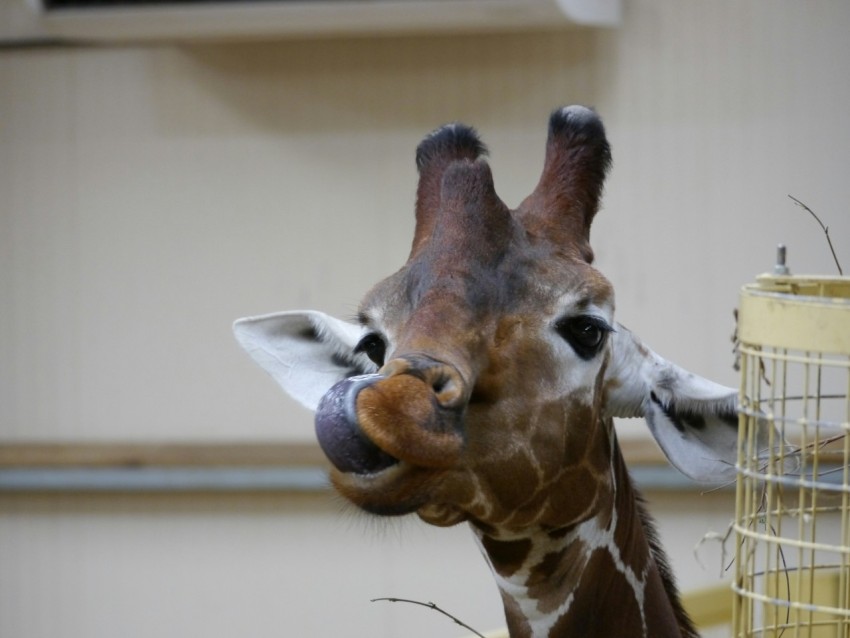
x: 684, y: 621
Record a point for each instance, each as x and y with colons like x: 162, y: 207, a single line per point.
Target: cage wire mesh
x: 792, y: 522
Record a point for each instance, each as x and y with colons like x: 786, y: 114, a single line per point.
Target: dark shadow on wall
x: 313, y: 87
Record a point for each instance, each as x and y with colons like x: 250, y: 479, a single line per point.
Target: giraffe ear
x: 694, y: 420
x: 306, y: 352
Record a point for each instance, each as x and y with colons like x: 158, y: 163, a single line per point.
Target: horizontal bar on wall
x: 305, y: 479
x: 243, y: 479
x: 233, y: 454
x: 223, y: 467
x: 171, y: 454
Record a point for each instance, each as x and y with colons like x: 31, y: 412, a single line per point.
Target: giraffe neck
x: 602, y: 577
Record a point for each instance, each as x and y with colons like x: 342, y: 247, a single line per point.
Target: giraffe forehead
x: 523, y: 279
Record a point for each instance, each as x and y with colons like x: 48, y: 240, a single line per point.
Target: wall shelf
x: 188, y: 20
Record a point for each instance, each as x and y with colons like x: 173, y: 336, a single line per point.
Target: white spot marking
x: 595, y: 537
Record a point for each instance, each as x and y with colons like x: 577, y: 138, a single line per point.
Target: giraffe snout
x: 407, y: 412
x: 403, y: 415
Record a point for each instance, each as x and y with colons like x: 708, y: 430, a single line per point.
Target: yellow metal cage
x: 792, y: 522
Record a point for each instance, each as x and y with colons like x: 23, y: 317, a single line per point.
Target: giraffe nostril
x: 445, y: 381
x: 439, y: 383
x: 448, y: 390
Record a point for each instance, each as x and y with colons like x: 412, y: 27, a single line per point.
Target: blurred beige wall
x: 152, y: 194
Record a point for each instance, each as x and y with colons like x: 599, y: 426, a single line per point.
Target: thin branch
x: 433, y: 606
x: 825, y: 230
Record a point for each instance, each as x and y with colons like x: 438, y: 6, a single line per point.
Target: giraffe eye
x: 586, y: 334
x: 373, y: 346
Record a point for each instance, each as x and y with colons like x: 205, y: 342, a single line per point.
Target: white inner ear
x: 694, y: 420
x: 305, y: 351
x: 700, y: 442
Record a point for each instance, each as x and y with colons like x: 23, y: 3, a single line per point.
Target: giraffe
x: 480, y: 382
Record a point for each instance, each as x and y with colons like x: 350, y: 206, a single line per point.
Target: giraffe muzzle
x: 368, y: 423
x: 339, y: 434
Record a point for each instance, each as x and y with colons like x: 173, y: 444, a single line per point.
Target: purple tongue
x: 340, y: 437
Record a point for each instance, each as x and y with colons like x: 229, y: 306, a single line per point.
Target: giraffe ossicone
x: 480, y: 383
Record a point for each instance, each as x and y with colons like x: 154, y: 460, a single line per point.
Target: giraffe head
x: 480, y: 380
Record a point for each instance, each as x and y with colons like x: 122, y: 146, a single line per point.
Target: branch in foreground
x: 433, y: 606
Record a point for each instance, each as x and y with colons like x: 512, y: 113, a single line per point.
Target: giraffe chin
x: 385, y: 470
x: 442, y: 515
x: 394, y: 491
